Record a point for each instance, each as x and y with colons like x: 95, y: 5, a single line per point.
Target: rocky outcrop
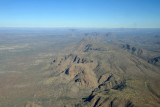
x: 110, y: 81
x: 72, y: 58
x: 101, y: 101
x: 102, y: 96
x: 132, y: 49
x: 78, y: 68
x: 83, y: 75
x: 155, y: 61
x: 89, y: 47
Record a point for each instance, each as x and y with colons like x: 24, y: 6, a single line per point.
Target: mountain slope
x: 117, y: 77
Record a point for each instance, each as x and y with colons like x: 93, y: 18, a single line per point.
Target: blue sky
x: 80, y: 13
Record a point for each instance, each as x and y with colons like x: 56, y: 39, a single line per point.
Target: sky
x: 80, y: 13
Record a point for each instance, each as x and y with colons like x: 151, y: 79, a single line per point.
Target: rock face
x: 88, y: 47
x: 101, y: 101
x: 155, y: 61
x: 132, y: 49
x: 101, y: 96
x: 111, y: 82
x: 78, y: 68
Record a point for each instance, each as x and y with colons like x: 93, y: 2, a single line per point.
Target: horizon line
x: 92, y: 27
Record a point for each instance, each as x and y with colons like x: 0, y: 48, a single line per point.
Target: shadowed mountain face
x: 98, y: 69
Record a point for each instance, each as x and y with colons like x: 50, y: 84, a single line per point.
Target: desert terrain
x: 62, y: 67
